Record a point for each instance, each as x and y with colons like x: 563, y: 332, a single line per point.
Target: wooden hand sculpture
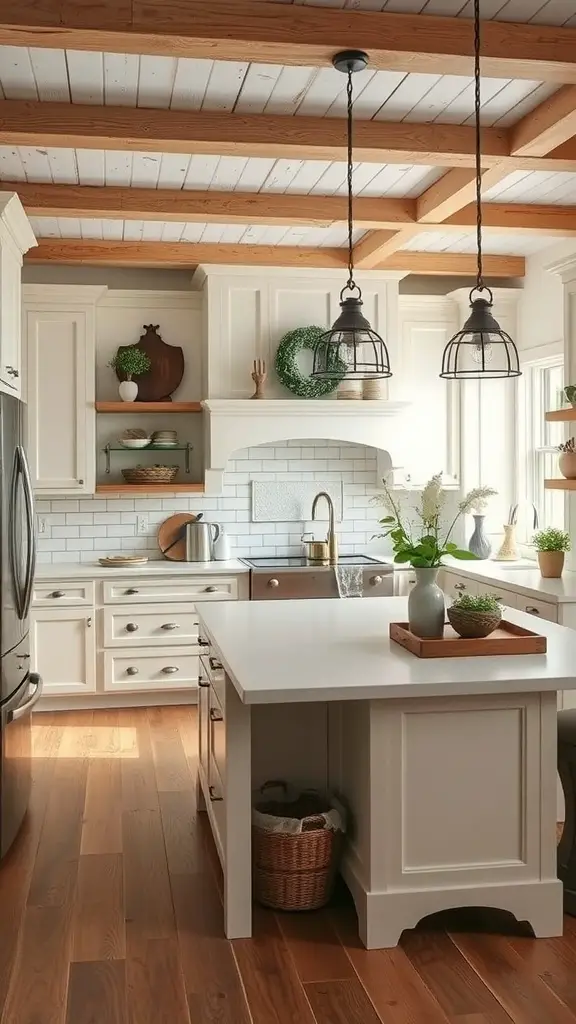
x: 259, y: 376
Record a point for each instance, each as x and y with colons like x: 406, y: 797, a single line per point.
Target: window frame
x: 533, y: 441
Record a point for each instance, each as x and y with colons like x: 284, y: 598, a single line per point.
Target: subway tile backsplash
x: 82, y: 530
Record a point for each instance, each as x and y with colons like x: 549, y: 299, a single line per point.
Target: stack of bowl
x: 165, y: 439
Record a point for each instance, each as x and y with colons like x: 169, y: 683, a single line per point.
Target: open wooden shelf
x: 560, y: 485
x: 562, y: 415
x: 149, y: 488
x: 142, y: 407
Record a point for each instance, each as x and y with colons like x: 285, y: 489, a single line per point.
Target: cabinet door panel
x: 10, y: 322
x: 61, y: 400
x: 454, y: 585
x: 63, y: 650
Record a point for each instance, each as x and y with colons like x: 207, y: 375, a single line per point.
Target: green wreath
x: 290, y: 374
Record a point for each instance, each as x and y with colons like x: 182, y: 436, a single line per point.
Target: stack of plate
x: 123, y: 561
x: 165, y: 439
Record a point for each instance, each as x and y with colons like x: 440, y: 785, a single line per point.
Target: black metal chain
x: 477, y: 100
x: 350, y: 178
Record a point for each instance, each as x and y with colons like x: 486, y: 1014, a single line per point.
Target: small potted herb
x: 474, y: 616
x: 130, y: 361
x: 551, y: 545
x: 570, y: 393
x: 567, y: 460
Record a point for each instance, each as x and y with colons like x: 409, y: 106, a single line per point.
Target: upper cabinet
x: 16, y: 237
x: 59, y: 327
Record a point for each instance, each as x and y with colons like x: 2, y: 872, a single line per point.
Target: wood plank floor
x: 110, y: 913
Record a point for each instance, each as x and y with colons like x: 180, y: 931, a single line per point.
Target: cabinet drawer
x: 57, y: 595
x: 507, y: 598
x: 543, y: 609
x: 150, y: 625
x: 170, y: 589
x: 150, y: 669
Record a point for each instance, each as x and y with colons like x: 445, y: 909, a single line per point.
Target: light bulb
x: 481, y: 352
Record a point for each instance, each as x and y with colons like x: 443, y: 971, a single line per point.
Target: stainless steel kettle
x: 200, y: 538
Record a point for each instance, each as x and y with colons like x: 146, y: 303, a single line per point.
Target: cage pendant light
x: 351, y: 349
x: 481, y: 350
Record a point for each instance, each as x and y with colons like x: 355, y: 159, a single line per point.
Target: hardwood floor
x: 110, y: 913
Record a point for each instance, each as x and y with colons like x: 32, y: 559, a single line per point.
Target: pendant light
x: 481, y: 350
x: 351, y: 349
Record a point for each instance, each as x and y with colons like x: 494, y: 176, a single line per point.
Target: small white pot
x: 128, y: 390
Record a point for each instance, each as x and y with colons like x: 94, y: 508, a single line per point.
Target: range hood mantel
x: 234, y: 424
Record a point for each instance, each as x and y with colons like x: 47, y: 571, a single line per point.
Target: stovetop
x: 300, y: 562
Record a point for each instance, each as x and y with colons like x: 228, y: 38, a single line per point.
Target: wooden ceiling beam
x: 192, y: 206
x: 373, y: 249
x: 277, y: 34
x: 73, y: 126
x: 184, y: 255
x: 547, y: 127
x: 517, y: 219
x: 453, y: 191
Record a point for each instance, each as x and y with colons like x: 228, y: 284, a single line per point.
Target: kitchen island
x: 448, y: 766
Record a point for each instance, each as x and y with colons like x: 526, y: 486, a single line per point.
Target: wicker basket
x: 296, y: 871
x: 473, y: 624
x: 150, y: 474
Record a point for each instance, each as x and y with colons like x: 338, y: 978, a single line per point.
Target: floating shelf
x: 560, y: 485
x: 562, y: 415
x: 149, y: 488
x: 142, y: 407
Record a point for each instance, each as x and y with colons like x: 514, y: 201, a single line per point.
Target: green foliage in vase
x: 552, y: 540
x: 131, y: 361
x: 477, y: 603
x: 424, y: 543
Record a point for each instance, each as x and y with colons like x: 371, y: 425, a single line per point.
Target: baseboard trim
x: 94, y: 701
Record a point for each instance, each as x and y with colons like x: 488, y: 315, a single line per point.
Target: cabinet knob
x: 131, y: 670
x: 58, y: 593
x: 216, y: 715
x: 531, y: 610
x: 131, y: 590
x: 203, y: 682
x: 375, y: 581
x: 202, y: 642
x: 12, y: 371
x: 131, y: 627
x: 215, y: 665
x: 213, y: 794
x: 170, y: 625
x: 459, y: 586
x: 81, y: 482
x: 211, y: 590
x: 89, y: 621
x: 169, y: 670
x: 273, y: 583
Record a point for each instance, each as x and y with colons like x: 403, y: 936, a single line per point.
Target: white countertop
x: 291, y: 651
x: 156, y: 567
x: 524, y: 579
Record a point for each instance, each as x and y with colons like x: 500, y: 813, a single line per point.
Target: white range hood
x: 234, y: 424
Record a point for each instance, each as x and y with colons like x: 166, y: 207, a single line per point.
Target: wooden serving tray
x: 507, y: 639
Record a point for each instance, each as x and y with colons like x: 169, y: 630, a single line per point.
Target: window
x: 540, y: 390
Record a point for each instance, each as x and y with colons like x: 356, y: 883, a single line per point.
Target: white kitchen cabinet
x: 16, y: 237
x: 454, y: 585
x: 59, y: 327
x: 63, y: 650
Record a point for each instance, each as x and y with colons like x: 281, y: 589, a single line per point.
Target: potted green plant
x: 567, y: 460
x: 475, y: 615
x: 551, y: 545
x: 423, y: 542
x: 570, y: 393
x: 132, y: 362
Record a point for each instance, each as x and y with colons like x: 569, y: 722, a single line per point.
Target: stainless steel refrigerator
x: 20, y: 687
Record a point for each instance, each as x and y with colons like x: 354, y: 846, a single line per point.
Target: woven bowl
x: 150, y: 474
x: 472, y: 625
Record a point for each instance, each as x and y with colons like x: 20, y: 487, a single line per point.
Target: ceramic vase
x: 551, y: 564
x: 426, y: 605
x: 128, y: 390
x: 567, y: 465
x: 479, y: 544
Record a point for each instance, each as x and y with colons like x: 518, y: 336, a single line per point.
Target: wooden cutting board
x: 167, y: 533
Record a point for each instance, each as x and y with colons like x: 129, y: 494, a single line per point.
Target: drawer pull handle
x: 131, y: 627
x: 170, y: 625
x: 58, y: 593
x: 204, y: 683
x: 202, y: 642
x: 211, y: 590
x: 216, y: 715
x: 169, y: 670
x: 459, y: 586
x: 215, y: 665
x: 131, y: 590
x: 531, y: 610
x: 273, y: 583
x: 131, y: 670
x: 375, y: 581
x: 213, y: 795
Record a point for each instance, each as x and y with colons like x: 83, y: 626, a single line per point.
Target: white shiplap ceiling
x: 541, y: 12
x: 465, y: 242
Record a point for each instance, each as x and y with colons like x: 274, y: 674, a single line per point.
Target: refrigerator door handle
x: 19, y: 592
x: 31, y: 546
x: 37, y: 682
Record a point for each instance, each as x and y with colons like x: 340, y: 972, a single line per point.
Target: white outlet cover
x: 141, y: 525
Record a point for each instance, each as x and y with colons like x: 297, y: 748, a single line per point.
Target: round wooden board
x: 168, y: 531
